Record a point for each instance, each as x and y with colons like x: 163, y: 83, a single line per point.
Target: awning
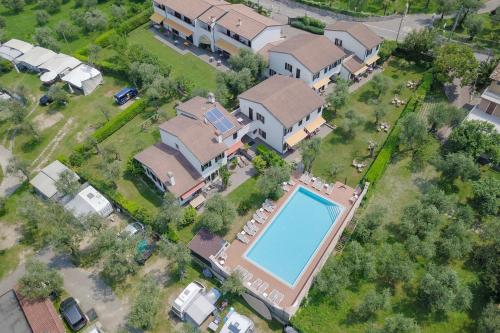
x: 315, y: 124
x: 197, y: 201
x: 156, y: 18
x: 360, y: 71
x: 372, y: 60
x: 321, y: 83
x: 205, y: 40
x: 191, y: 191
x: 174, y: 25
x: 234, y: 148
x: 226, y: 46
x: 295, y: 138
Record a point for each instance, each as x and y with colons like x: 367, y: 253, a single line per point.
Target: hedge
x: 119, y: 120
x: 309, y: 28
x: 379, y: 165
x: 323, y: 5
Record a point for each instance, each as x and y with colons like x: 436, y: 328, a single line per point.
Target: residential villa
x: 360, y: 43
x: 311, y: 58
x: 283, y: 111
x: 216, y: 24
x: 194, y: 146
x: 488, y: 108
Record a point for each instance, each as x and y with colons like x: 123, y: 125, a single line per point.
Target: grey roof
x: 199, y: 310
x: 45, y: 181
x: 36, y: 56
x: 12, y: 318
x: 359, y: 31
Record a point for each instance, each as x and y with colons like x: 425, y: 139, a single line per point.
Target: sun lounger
x: 270, y: 202
x: 329, y: 189
x: 252, y: 226
x: 249, y: 231
x: 256, y: 284
x: 302, y: 177
x: 268, y: 208
x: 258, y: 219
x: 286, y: 188
x: 242, y: 238
x: 263, y: 287
x: 261, y: 214
x: 292, y: 183
x: 317, y: 184
x: 308, y: 179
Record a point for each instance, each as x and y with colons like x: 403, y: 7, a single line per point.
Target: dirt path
x: 9, y: 235
x: 47, y: 151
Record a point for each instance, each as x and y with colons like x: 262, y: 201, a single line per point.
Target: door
x: 491, y: 108
x: 250, y: 113
x: 297, y: 73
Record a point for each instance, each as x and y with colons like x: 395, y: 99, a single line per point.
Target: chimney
x: 239, y: 23
x: 211, y: 98
x: 171, y: 179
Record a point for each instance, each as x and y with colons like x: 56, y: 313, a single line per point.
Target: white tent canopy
x: 45, y: 181
x: 59, y: 64
x: 89, y: 201
x: 35, y: 57
x: 14, y: 48
x: 84, y: 77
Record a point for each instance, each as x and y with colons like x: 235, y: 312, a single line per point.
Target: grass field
x: 377, y: 7
x: 340, y: 149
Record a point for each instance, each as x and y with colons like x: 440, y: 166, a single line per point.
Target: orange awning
x: 295, y: 138
x: 323, y: 82
x: 191, y: 191
x: 197, y: 201
x: 174, y: 25
x: 315, y: 124
x: 234, y: 148
x: 360, y: 71
x: 371, y: 60
x: 156, y: 18
x: 226, y: 46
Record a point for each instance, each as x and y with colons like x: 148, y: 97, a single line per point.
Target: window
x: 319, y: 110
x: 250, y: 113
x: 331, y: 66
x: 378, y: 47
x: 261, y: 118
x: 325, y: 70
x: 262, y: 133
x: 235, y: 136
x: 308, y: 117
x: 297, y: 73
x: 300, y: 122
x: 338, y: 42
x: 287, y: 130
x: 315, y: 76
x: 288, y: 67
x: 178, y: 15
x: 176, y: 146
x: 271, y: 72
x: 368, y: 52
x: 219, y: 157
x: 206, y: 165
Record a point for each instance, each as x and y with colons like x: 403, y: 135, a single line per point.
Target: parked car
x: 72, y: 314
x: 45, y: 100
x: 133, y: 229
x: 124, y: 95
x: 146, y: 248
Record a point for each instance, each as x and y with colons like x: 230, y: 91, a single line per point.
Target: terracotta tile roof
x: 191, y: 8
x: 353, y: 64
x: 206, y: 244
x: 161, y: 159
x: 288, y: 99
x: 312, y: 51
x: 245, y: 22
x: 213, y: 13
x: 359, y: 31
x: 42, y: 316
x: 198, y: 135
x: 495, y: 75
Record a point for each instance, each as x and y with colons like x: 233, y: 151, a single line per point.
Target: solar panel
x: 211, y: 118
x: 219, y: 120
x: 217, y: 113
x: 227, y: 123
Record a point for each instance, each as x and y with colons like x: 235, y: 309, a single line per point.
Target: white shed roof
x: 89, y: 201
x: 57, y: 65
x: 19, y: 45
x: 36, y: 56
x: 199, y: 310
x: 45, y: 181
x: 80, y: 74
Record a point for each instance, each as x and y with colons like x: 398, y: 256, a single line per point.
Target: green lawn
x: 188, y: 65
x: 339, y: 148
x: 377, y: 7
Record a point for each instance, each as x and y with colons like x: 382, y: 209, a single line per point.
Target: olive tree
x: 146, y: 305
x: 39, y: 281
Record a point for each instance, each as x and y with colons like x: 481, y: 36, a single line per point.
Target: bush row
x: 325, y: 5
x: 379, y: 165
x: 300, y: 25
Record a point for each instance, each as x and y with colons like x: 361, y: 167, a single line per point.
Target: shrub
x: 310, y: 24
x: 190, y: 216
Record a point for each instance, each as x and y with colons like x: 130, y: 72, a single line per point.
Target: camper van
x: 124, y: 95
x: 186, y: 298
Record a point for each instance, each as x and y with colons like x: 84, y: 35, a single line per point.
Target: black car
x: 72, y: 314
x: 45, y: 100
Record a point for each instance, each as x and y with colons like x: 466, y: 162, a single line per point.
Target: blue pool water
x: 294, y: 235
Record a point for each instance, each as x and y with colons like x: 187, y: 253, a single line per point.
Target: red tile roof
x: 42, y: 316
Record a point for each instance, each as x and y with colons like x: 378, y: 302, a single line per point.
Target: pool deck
x: 291, y: 295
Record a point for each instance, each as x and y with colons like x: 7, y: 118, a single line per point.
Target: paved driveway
x: 84, y: 285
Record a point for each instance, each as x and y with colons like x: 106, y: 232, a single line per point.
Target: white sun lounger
x: 248, y: 230
x: 263, y: 287
x: 242, y: 238
x: 268, y: 208
x: 258, y: 219
x: 286, y: 188
x: 329, y: 190
x: 251, y: 224
x: 291, y: 182
x: 260, y: 213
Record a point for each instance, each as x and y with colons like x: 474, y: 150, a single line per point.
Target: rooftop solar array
x: 219, y: 120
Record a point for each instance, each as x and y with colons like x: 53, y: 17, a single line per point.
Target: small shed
x: 12, y: 317
x: 45, y: 181
x: 59, y: 65
x: 205, y: 245
x: 32, y: 59
x: 14, y: 48
x: 89, y: 201
x: 199, y: 310
x: 83, y: 78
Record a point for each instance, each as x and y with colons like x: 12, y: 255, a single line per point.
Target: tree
x: 368, y: 224
x: 434, y: 196
x: 332, y: 281
x: 67, y: 184
x: 359, y: 261
x: 400, y: 324
x: 39, y: 281
x: 418, y: 42
x: 58, y: 95
x: 170, y: 213
x: 446, y: 7
x: 475, y: 138
x: 458, y: 165
x: 117, y: 14
x: 419, y: 220
x: 474, y: 25
x: 178, y: 255
x: 219, y: 214
x: 484, y: 71
x: 441, y: 291
x: 417, y: 247
x: 444, y: 114
x: 18, y: 167
x: 146, y: 305
x: 52, y: 6
x: 380, y: 84
x: 393, y: 265
x: 225, y: 177
x: 259, y: 164
x: 233, y: 285
x: 413, y: 131
x: 14, y: 111
x: 42, y: 17
x: 32, y: 214
x: 190, y: 216
x: 233, y: 83
x: 119, y: 262
x: 309, y: 150
x: 469, y: 6
x: 485, y: 259
x: 249, y: 60
x: 489, y: 322
x: 63, y: 231
x: 45, y: 38
x: 455, y: 242
x: 94, y: 20
x: 455, y: 61
x: 93, y: 51
x: 66, y: 30
x: 338, y: 97
x: 14, y: 5
x: 270, y: 182
x: 486, y: 195
x: 372, y: 303
x: 380, y: 112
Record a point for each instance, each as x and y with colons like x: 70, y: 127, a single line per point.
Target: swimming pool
x: 295, y: 234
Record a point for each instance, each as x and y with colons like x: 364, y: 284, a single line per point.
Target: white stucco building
x: 311, y: 58
x: 216, y: 24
